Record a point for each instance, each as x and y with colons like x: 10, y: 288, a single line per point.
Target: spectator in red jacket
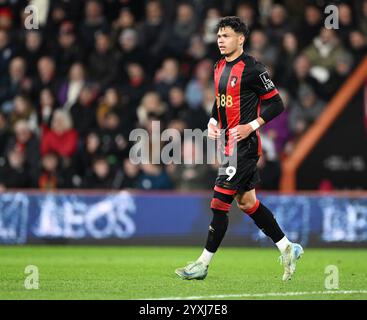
x: 61, y: 138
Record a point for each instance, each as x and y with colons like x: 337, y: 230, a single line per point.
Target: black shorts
x: 244, y: 178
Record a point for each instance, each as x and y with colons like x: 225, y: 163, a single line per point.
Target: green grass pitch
x: 82, y: 272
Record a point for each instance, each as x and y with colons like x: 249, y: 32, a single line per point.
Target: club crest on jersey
x: 233, y: 81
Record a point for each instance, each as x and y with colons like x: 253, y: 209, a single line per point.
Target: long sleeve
x: 214, y: 111
x: 271, y: 103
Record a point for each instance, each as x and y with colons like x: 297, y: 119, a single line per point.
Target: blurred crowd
x: 72, y: 90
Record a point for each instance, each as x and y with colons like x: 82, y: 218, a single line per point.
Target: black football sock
x: 220, y: 205
x: 217, y: 230
x: 265, y: 221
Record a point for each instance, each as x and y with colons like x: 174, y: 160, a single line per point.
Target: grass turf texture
x: 148, y: 273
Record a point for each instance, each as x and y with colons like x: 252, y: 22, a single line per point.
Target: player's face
x: 229, y: 41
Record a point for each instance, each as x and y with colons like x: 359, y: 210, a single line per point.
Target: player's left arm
x: 271, y: 104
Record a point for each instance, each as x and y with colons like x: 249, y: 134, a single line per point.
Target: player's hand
x: 241, y: 132
x: 213, y: 131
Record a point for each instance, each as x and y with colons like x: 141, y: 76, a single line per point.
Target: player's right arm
x: 213, y: 124
x: 213, y: 130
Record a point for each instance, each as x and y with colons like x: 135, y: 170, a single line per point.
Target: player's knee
x: 244, y: 206
x: 248, y: 206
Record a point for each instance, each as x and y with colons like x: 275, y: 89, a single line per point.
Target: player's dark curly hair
x: 235, y: 23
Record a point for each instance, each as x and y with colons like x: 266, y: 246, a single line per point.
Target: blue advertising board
x: 308, y: 219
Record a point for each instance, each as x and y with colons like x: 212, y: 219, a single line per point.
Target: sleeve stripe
x: 269, y: 95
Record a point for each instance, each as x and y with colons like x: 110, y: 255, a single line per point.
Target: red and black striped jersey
x: 240, y: 85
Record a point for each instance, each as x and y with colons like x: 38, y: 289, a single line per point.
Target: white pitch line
x: 260, y: 295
